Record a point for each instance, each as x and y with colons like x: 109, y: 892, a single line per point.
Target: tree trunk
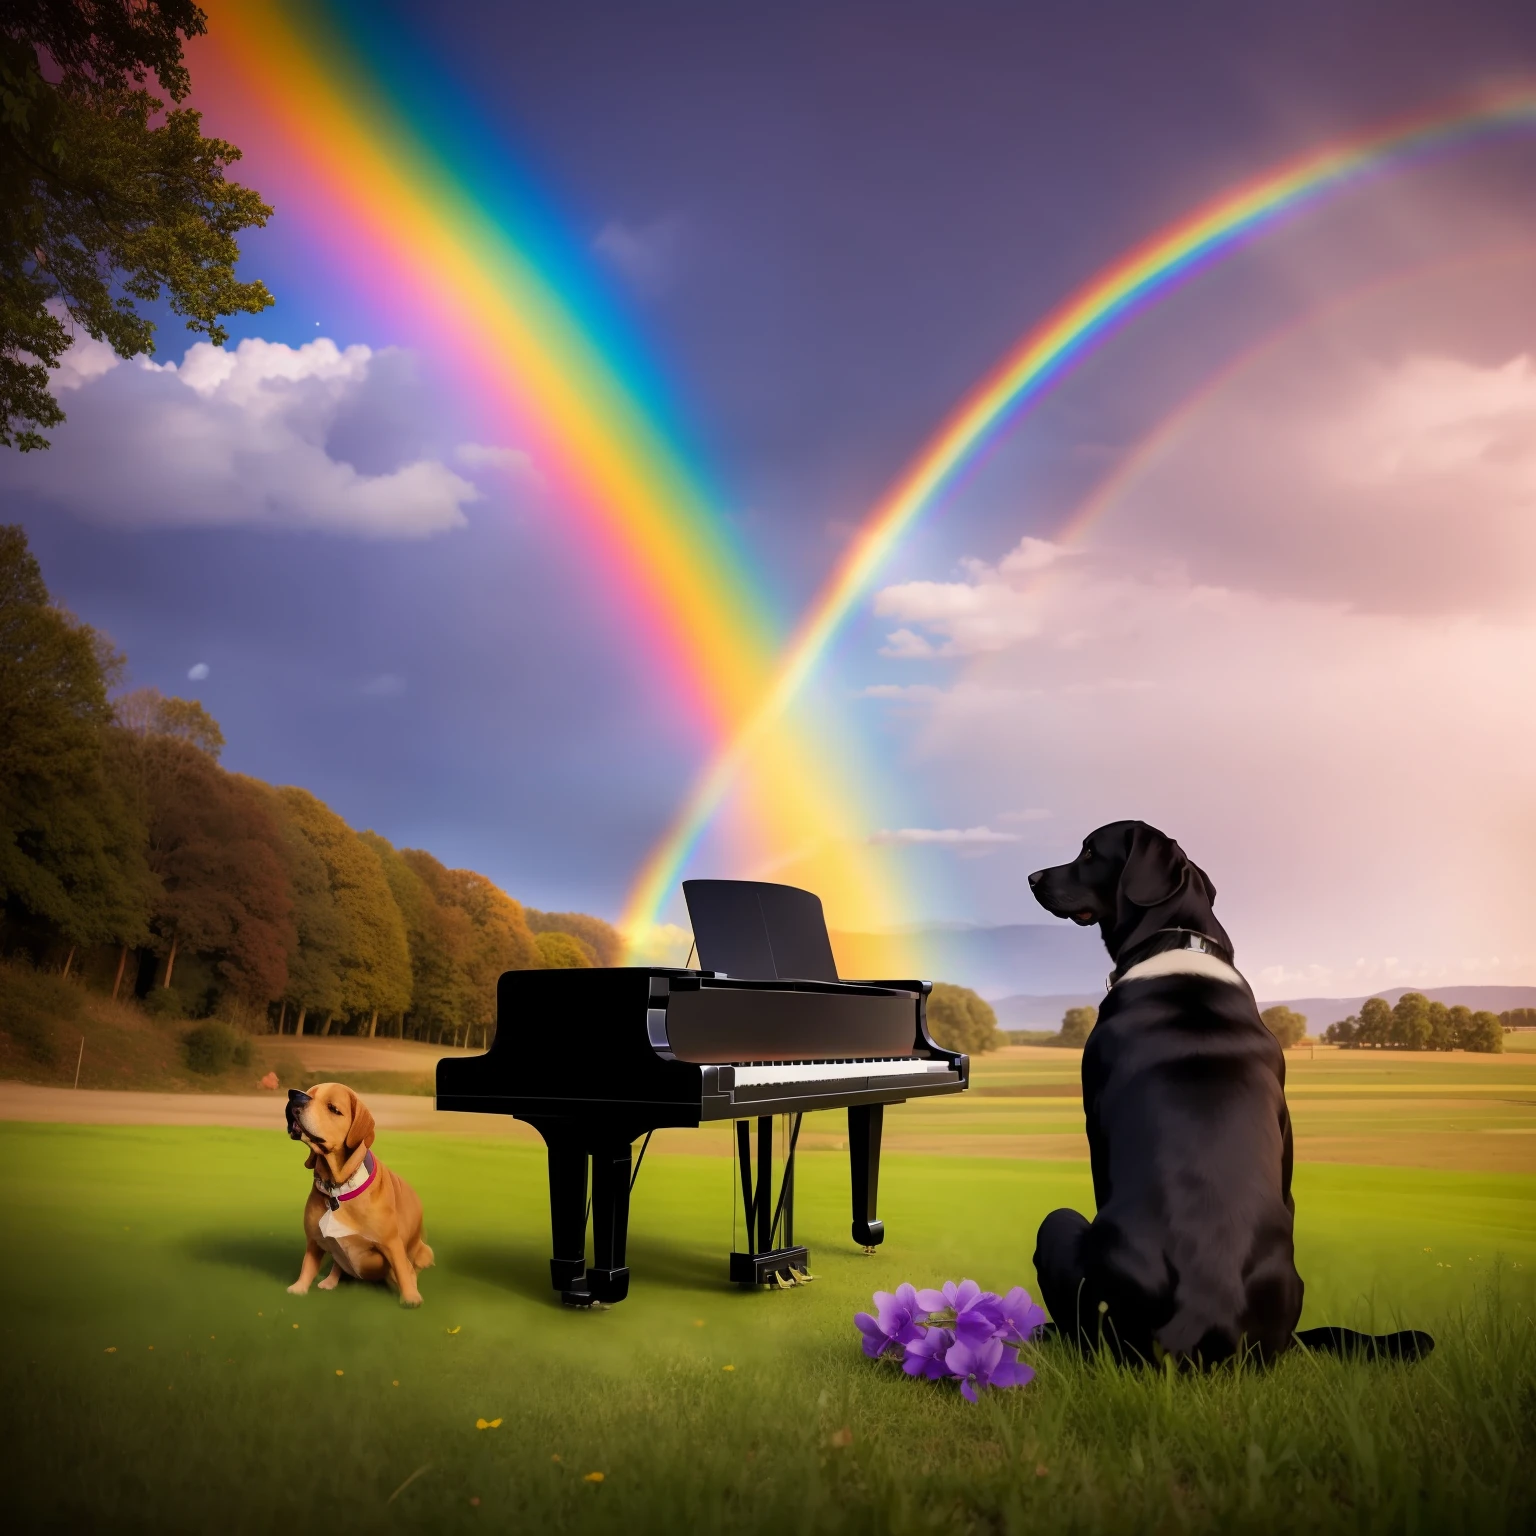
x: 298, y: 1027
x: 373, y: 1024
x: 122, y: 964
x: 282, y: 1014
x: 69, y: 959
x: 170, y: 962
x: 327, y: 1027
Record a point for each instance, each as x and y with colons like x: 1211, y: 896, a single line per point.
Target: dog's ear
x: 312, y: 1159
x: 1155, y: 869
x: 1205, y: 880
x: 360, y: 1132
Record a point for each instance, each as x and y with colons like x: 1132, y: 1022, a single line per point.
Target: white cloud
x: 229, y: 438
x: 197, y: 671
x: 989, y: 611
x: 914, y: 693
x: 952, y: 837
x: 648, y: 255
x: 516, y: 462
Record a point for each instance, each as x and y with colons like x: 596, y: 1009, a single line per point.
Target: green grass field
x: 157, y: 1376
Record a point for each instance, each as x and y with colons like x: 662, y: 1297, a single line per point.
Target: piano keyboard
x: 832, y: 1071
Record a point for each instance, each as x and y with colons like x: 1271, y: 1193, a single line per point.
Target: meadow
x: 156, y: 1374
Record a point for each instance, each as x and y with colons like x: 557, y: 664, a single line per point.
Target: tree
x: 217, y: 853
x: 1411, y: 1026
x: 1287, y: 1026
x: 1484, y: 1033
x: 961, y: 1020
x: 375, y: 963
x: 148, y: 712
x: 1076, y: 1025
x: 604, y: 942
x: 71, y: 844
x: 562, y: 952
x: 106, y: 200
x: 440, y: 940
x: 1447, y: 1026
x: 1518, y: 1018
x: 1375, y: 1026
x: 501, y: 940
x: 1343, y: 1031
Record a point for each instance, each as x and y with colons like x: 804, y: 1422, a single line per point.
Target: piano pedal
x: 801, y: 1277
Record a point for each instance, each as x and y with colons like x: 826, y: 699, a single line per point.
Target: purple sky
x: 1299, y: 636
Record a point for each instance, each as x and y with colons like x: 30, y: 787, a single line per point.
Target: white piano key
x: 831, y: 1071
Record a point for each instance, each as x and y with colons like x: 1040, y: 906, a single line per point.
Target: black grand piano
x: 596, y: 1059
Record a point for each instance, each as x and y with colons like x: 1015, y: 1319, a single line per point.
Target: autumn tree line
x: 127, y: 853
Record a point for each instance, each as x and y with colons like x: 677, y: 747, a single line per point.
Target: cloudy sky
x: 1263, y: 570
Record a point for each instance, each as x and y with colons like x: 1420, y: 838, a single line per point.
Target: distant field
x: 170, y: 1247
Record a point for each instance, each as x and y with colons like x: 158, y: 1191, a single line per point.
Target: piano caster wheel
x: 869, y: 1252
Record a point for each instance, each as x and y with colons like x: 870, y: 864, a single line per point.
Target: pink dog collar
x: 334, y: 1194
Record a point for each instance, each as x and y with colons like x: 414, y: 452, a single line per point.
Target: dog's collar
x: 1188, y: 938
x: 334, y: 1194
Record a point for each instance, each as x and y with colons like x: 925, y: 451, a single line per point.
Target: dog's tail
x: 421, y: 1257
x: 1410, y: 1344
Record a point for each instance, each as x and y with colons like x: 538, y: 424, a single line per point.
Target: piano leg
x: 865, y: 1122
x: 608, y: 1279
x: 764, y: 1200
x: 568, y: 1214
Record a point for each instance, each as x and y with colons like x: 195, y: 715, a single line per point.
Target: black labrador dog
x: 1191, y: 1252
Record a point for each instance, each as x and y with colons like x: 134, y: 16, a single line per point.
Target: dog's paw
x: 299, y: 1288
x: 331, y: 1281
x: 410, y: 1301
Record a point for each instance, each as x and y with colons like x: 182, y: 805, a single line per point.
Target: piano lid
x: 759, y: 932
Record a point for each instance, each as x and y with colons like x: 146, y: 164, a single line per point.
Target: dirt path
x: 257, y: 1111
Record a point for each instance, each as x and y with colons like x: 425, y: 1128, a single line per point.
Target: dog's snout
x: 1036, y: 878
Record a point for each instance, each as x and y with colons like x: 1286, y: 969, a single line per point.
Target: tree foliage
x: 107, y: 200
x: 1076, y: 1025
x: 1414, y: 1023
x: 1285, y: 1024
x: 962, y: 1020
x: 70, y: 839
x: 604, y: 943
x: 562, y: 951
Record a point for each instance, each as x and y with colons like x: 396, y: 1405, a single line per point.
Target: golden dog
x: 364, y: 1215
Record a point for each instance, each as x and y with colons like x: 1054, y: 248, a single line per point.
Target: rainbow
x: 1095, y: 311
x: 346, y: 130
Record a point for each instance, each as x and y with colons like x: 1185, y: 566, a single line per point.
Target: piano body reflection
x: 596, y: 1059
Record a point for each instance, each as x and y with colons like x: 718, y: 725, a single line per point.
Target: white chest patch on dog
x: 333, y: 1227
x: 1183, y: 962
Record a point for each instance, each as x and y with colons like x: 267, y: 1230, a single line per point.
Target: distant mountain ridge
x: 1026, y: 1011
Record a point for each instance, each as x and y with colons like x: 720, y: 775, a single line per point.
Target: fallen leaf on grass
x: 111, y: 1349
x: 455, y: 1327
x: 341, y: 1373
x: 841, y: 1438
x: 1042, y: 1471
x: 593, y: 1477
x: 727, y: 1367
x: 487, y: 1423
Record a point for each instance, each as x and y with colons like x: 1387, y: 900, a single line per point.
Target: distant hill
x: 1028, y: 1011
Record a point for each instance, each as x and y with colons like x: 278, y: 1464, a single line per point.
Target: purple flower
x: 1022, y: 1317
x: 975, y: 1312
x: 897, y: 1321
x: 926, y: 1355
x: 985, y: 1364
